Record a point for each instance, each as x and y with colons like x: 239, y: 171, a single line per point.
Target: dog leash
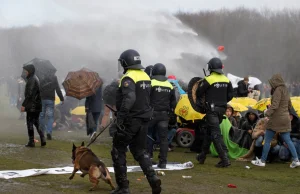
x: 103, y: 129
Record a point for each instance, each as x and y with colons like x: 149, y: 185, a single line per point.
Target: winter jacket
x: 32, y: 101
x: 242, y: 90
x: 250, y: 125
x: 94, y: 103
x: 109, y: 93
x: 48, y: 88
x: 278, y: 112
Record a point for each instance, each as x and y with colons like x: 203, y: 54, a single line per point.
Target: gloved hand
x: 120, y: 122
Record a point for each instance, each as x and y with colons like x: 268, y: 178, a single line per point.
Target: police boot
x: 123, y: 188
x: 155, y: 183
x: 224, y: 161
x: 201, y: 157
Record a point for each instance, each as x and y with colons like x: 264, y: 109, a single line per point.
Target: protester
x: 251, y: 120
x: 277, y: 115
x: 93, y: 107
x: 48, y: 88
x: 32, y: 105
x: 243, y: 88
x: 229, y: 113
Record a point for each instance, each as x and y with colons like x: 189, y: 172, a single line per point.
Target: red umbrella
x: 81, y: 84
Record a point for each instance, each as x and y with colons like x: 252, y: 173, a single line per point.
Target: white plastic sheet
x: 10, y: 174
x: 235, y: 79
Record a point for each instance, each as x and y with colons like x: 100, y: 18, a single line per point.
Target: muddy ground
x: 275, y: 178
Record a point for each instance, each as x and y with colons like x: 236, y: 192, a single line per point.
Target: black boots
x: 155, y: 184
x: 162, y: 165
x: 224, y: 161
x: 49, y: 137
x: 123, y: 188
x: 43, y: 142
x: 201, y: 158
x: 30, y: 144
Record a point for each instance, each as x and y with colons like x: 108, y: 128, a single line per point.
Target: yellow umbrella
x: 238, y: 106
x: 80, y: 111
x: 245, y: 101
x: 295, y: 98
x: 262, y: 104
x: 185, y: 110
x: 57, y: 100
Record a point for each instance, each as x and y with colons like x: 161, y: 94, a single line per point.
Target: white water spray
x: 95, y: 33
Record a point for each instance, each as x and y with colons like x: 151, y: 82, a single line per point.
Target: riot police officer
x: 148, y: 70
x: 217, y: 90
x: 163, y: 101
x: 133, y: 115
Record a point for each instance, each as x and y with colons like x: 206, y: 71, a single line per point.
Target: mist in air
x: 93, y: 35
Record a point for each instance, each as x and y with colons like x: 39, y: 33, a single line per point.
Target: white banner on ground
x: 10, y: 174
x: 235, y: 79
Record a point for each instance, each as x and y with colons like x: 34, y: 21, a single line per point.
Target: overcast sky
x: 24, y: 12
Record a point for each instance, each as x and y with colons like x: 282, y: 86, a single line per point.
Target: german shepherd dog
x: 88, y: 163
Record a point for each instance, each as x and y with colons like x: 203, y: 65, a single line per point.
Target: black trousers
x: 213, y: 133
x: 159, y: 126
x: 134, y: 135
x: 32, y: 119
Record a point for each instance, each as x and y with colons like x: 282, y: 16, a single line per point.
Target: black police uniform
x: 133, y: 115
x: 163, y: 101
x: 217, y: 90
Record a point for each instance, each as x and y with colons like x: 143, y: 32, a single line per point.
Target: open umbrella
x: 79, y: 111
x: 81, y: 84
x: 245, y: 101
x: 185, y: 110
x: 43, y: 68
x: 238, y: 107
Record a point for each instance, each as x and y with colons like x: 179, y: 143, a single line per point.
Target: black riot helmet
x: 215, y: 65
x: 148, y: 70
x: 130, y: 59
x: 159, y: 69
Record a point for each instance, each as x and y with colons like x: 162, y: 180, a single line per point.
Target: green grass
x: 274, y: 178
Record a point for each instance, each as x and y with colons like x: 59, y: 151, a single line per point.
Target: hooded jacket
x: 32, y: 101
x: 250, y: 125
x: 278, y: 112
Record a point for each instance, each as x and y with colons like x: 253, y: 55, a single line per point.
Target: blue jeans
x: 171, y: 134
x: 47, y: 114
x: 96, y: 116
x: 286, y: 138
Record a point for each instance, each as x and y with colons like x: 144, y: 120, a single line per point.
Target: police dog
x: 88, y: 163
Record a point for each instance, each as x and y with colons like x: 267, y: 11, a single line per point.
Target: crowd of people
x: 142, y: 103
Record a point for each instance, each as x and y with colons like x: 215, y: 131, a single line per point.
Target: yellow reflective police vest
x: 217, y: 92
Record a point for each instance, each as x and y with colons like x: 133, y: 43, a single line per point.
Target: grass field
x: 274, y: 178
